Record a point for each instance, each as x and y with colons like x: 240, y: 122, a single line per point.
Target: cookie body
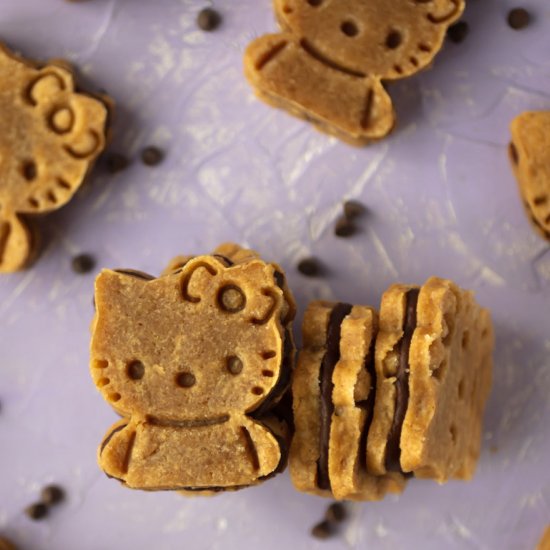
x: 194, y: 362
x: 333, y: 390
x: 433, y: 366
x: 328, y: 64
x: 530, y: 158
x: 51, y: 135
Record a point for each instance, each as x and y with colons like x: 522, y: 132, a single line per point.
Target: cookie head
x: 204, y: 342
x: 388, y: 38
x: 50, y: 136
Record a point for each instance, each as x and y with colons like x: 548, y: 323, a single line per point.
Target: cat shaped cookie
x: 328, y: 63
x: 194, y: 362
x: 50, y: 137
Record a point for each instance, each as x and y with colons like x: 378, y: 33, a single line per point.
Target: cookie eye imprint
x: 185, y: 380
x: 393, y: 40
x: 234, y: 365
x: 135, y: 370
x: 349, y: 28
x: 231, y: 299
x: 29, y: 170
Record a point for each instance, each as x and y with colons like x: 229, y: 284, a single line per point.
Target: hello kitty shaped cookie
x: 193, y: 361
x: 328, y: 63
x: 50, y: 137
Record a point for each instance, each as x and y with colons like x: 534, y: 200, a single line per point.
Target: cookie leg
x: 15, y: 244
x: 287, y: 73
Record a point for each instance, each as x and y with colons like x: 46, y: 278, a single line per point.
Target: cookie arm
x: 287, y: 74
x: 15, y: 244
x: 115, y: 452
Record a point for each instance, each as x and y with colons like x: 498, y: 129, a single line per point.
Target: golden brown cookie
x: 50, y: 137
x: 433, y: 364
x: 544, y: 543
x: 330, y: 60
x: 530, y: 157
x: 6, y: 544
x: 333, y: 389
x: 194, y: 362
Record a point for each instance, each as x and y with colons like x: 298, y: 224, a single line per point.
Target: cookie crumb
x: 117, y: 163
x: 52, y: 494
x: 208, y: 19
x: 83, y: 263
x: 458, y: 32
x: 336, y: 513
x: 310, y: 267
x: 354, y: 209
x: 37, y: 511
x: 152, y: 156
x: 518, y: 18
x: 344, y: 227
x: 323, y: 530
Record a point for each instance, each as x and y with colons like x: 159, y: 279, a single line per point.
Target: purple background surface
x: 442, y: 201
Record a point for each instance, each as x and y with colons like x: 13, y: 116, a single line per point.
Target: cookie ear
x: 195, y: 278
x: 15, y: 244
x: 264, y: 306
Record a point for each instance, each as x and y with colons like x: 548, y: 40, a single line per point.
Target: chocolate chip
x: 354, y: 209
x: 151, y: 156
x: 208, y: 19
x: 336, y: 513
x: 322, y: 530
x: 116, y: 163
x: 518, y: 18
x: 52, y: 494
x: 83, y: 263
x: 458, y: 32
x: 185, y: 380
x: 37, y: 511
x: 234, y: 365
x: 344, y: 227
x: 310, y: 267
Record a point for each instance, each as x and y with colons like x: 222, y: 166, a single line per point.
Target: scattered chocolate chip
x: 336, y: 513
x: 37, y: 511
x: 208, y: 19
x: 151, y: 156
x: 52, y: 494
x: 322, y: 530
x: 354, y: 209
x: 458, y: 32
x: 117, y: 163
x: 344, y: 227
x: 310, y: 267
x: 518, y: 18
x: 83, y: 263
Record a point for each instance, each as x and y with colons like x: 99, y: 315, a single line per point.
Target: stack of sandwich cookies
x: 433, y: 366
x: 194, y: 362
x: 333, y: 392
x: 530, y: 157
x: 376, y: 403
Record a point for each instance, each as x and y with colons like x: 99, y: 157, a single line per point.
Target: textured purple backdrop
x: 442, y: 201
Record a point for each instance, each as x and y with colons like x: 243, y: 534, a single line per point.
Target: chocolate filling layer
x: 331, y: 357
x: 368, y: 405
x: 393, y: 447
